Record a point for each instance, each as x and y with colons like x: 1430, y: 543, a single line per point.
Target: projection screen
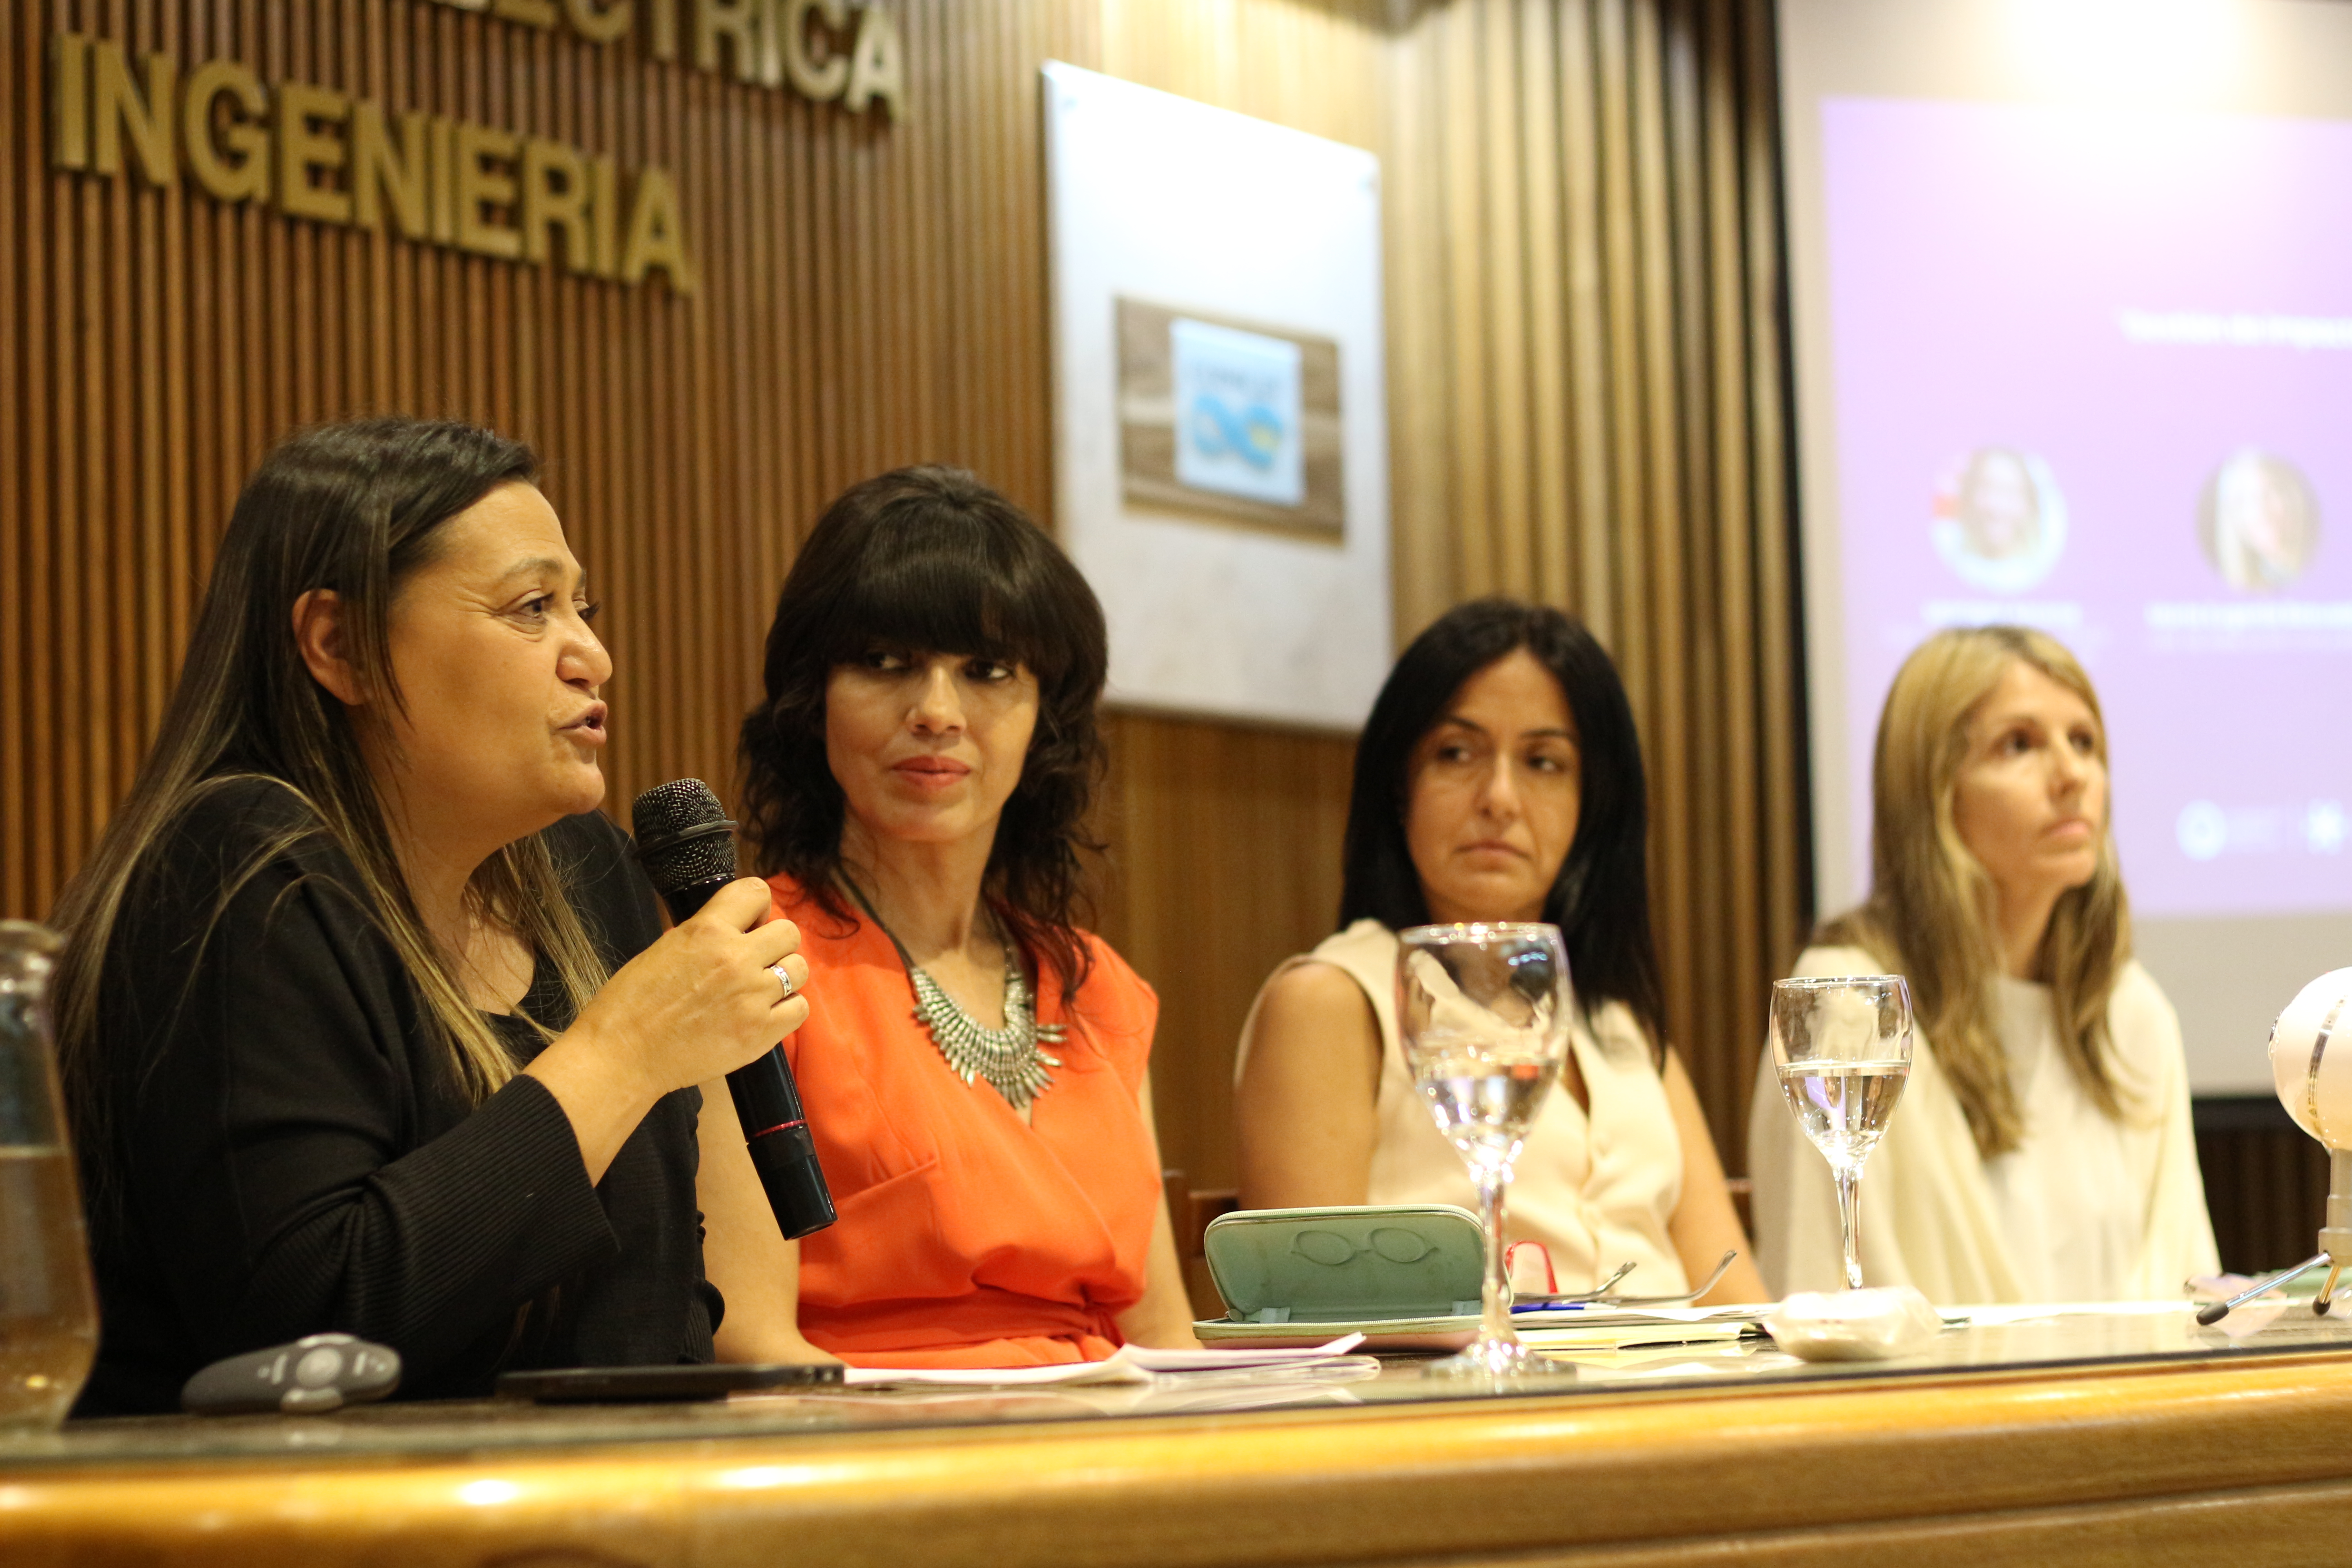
x: 2072, y: 299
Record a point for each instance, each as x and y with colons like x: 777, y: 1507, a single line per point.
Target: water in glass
x: 1841, y: 1049
x: 1843, y: 1106
x: 1482, y: 1014
x: 48, y: 1308
x: 1484, y: 1106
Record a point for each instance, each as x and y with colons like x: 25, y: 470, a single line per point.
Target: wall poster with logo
x: 1221, y: 405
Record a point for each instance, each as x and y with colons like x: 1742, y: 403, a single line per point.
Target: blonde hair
x: 1931, y: 913
x: 354, y: 508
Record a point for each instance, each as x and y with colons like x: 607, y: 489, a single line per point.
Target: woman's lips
x: 932, y: 773
x: 1493, y: 847
x: 588, y: 727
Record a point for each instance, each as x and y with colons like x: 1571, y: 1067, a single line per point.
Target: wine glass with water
x: 1482, y: 1013
x: 1843, y: 1050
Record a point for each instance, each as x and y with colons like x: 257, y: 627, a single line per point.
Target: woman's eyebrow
x: 2005, y: 722
x: 539, y: 566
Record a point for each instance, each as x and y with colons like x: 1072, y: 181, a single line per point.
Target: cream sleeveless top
x: 1596, y: 1189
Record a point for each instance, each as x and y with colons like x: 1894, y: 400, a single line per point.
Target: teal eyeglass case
x: 1406, y: 1277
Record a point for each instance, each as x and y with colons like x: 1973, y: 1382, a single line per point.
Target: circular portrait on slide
x: 2000, y: 522
x: 2258, y: 521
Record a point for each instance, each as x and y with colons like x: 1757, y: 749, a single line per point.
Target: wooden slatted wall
x: 1585, y: 407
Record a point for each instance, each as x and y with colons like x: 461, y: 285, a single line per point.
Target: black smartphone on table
x: 647, y: 1384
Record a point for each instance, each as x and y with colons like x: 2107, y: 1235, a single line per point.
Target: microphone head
x: 2313, y: 1082
x: 685, y: 837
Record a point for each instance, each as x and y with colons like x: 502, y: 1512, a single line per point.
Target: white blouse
x: 2086, y: 1208
x: 1596, y: 1188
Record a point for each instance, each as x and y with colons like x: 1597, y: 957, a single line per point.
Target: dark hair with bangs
x: 931, y: 560
x: 1601, y: 899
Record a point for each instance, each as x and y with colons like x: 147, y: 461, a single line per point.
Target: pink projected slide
x: 2094, y: 374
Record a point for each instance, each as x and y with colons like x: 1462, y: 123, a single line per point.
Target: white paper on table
x: 1138, y: 1364
x: 1574, y: 1315
x: 2033, y: 1311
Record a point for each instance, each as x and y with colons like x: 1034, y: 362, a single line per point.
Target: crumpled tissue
x: 1853, y: 1325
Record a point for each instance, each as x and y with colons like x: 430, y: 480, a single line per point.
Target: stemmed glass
x: 1843, y: 1050
x: 1482, y: 1013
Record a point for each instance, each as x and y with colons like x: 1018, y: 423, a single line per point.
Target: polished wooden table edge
x: 1866, y: 1383
x: 1514, y: 1475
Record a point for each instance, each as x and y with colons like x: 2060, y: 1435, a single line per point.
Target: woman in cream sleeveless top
x: 1595, y: 1187
x: 1498, y: 778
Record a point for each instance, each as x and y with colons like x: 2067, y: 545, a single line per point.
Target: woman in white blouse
x: 1498, y: 778
x: 2042, y: 1151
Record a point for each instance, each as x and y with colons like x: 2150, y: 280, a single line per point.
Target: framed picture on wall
x: 1222, y: 451
x: 1233, y: 420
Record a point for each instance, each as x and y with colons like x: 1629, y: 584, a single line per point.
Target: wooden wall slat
x: 1545, y: 192
x: 1454, y: 46
x: 1586, y: 306
x: 1780, y: 778
x: 1498, y: 244
x: 19, y: 68
x: 1661, y: 699
x: 1425, y: 564
x: 1584, y: 373
x: 1738, y: 947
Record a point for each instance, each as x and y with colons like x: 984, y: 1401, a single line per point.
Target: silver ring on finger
x: 784, y: 978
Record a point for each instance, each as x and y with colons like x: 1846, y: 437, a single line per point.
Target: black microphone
x: 686, y: 845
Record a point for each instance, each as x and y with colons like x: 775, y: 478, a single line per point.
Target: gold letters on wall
x: 775, y: 43
x: 324, y: 155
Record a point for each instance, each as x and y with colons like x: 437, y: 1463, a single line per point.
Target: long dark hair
x: 1601, y: 899
x: 930, y: 560
x: 356, y: 508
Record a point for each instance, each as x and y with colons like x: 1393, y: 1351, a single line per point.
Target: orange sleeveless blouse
x: 967, y: 1238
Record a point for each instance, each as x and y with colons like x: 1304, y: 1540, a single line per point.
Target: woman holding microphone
x: 367, y: 1020
x: 2042, y: 1151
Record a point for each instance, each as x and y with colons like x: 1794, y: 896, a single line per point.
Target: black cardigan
x: 289, y: 1151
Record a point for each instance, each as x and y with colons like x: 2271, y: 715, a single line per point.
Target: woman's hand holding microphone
x: 702, y: 1000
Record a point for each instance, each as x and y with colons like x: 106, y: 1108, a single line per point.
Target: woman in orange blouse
x: 973, y: 1066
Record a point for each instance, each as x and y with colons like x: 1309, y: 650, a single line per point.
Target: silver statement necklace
x: 1014, y: 1058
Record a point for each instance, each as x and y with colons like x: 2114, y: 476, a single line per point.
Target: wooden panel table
x: 2085, y: 1441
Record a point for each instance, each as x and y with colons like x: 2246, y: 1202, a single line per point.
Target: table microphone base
x: 2335, y: 1247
